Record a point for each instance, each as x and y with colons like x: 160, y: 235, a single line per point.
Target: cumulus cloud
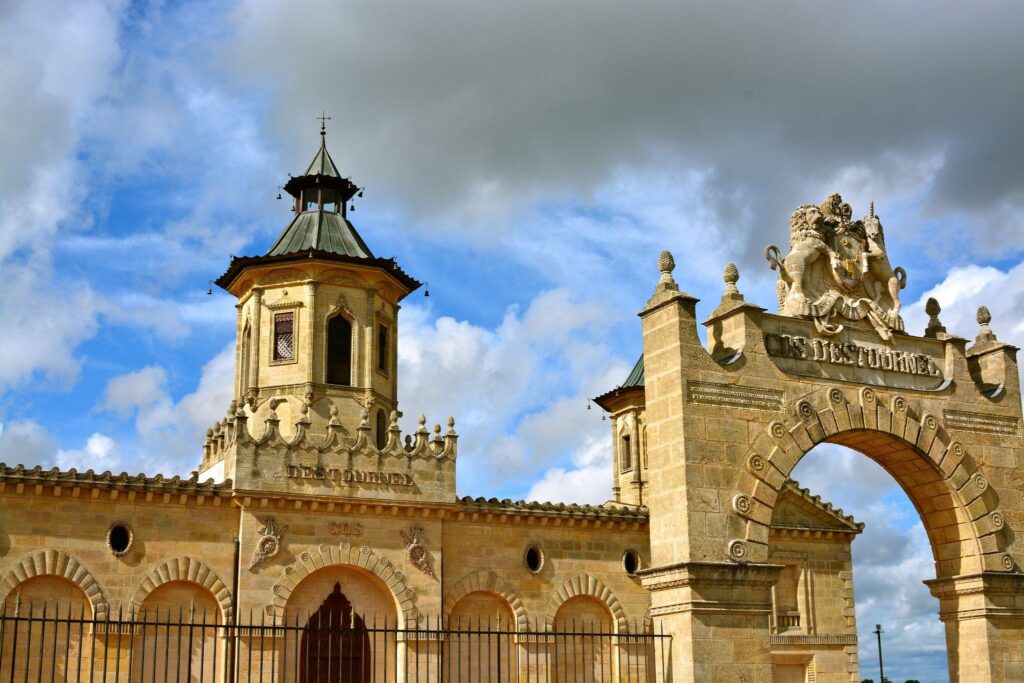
x: 28, y: 443
x: 588, y: 481
x: 100, y: 453
x: 169, y: 434
x: 518, y: 391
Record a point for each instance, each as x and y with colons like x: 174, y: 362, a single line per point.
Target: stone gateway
x: 708, y: 563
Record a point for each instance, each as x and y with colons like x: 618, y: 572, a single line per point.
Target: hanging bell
x: 352, y: 207
x: 278, y: 195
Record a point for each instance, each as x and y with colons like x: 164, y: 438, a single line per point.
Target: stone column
x: 716, y: 610
x: 257, y: 334
x: 984, y: 618
x: 312, y: 335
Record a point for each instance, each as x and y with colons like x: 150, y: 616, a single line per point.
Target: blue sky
x: 529, y: 161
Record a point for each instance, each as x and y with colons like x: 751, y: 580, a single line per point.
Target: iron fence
x: 67, y: 643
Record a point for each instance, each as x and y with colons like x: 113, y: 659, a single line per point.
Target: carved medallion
x: 416, y: 550
x: 269, y: 544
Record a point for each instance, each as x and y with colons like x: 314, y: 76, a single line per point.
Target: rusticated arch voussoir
x: 588, y: 586
x: 188, y: 569
x: 344, y: 555
x: 488, y: 582
x: 843, y: 417
x: 53, y: 562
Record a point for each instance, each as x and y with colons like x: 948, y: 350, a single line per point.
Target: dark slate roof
x: 320, y: 231
x: 636, y: 375
x: 634, y: 383
x: 322, y: 163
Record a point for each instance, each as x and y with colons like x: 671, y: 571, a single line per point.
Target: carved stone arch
x: 188, y: 569
x: 344, y: 278
x: 280, y: 275
x: 52, y: 562
x: 344, y: 555
x: 488, y: 582
x: 832, y: 415
x: 589, y: 586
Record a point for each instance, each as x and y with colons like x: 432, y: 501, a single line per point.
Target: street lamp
x: 881, y: 669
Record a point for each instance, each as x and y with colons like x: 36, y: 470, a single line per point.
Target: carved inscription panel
x: 855, y: 355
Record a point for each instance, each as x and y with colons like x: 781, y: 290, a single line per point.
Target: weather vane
x: 324, y: 118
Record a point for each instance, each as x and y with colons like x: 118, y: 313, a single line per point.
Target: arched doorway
x: 321, y: 604
x: 335, y: 643
x: 480, y: 645
x: 878, y: 578
x: 583, y: 658
x: 178, y: 637
x: 56, y: 649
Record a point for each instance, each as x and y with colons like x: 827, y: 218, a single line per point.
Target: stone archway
x: 190, y: 570
x: 363, y: 558
x: 957, y: 506
x: 726, y: 424
x: 56, y: 563
x: 591, y: 587
x: 487, y: 581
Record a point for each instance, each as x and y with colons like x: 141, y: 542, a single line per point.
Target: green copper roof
x: 321, y: 231
x: 322, y: 163
x: 636, y: 375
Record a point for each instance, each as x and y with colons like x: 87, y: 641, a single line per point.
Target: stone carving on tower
x: 837, y: 270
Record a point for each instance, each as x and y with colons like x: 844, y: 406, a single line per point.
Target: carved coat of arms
x: 416, y: 549
x: 269, y: 543
x: 837, y: 269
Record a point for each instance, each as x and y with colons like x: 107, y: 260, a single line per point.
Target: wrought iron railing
x: 65, y: 643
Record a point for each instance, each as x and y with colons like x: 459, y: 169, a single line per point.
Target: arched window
x: 626, y: 453
x: 339, y: 351
x: 382, y: 430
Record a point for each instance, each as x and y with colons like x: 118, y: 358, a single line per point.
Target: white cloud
x: 27, y: 443
x: 589, y: 481
x: 100, y: 453
x: 518, y: 391
x: 169, y: 434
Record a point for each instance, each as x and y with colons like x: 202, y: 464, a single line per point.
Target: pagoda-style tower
x: 318, y: 318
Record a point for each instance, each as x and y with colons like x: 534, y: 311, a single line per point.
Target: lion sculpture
x: 837, y: 268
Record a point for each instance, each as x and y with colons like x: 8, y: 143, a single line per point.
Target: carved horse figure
x: 883, y: 277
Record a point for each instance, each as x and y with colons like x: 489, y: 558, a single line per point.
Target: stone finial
x: 984, y: 318
x: 666, y: 264
x: 731, y: 275
x: 935, y: 326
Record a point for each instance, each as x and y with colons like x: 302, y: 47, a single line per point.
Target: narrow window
x: 382, y: 348
x: 382, y: 430
x: 284, y: 336
x: 626, y: 454
x: 339, y: 351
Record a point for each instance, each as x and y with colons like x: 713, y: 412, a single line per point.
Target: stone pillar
x: 716, y: 610
x: 312, y: 335
x: 257, y: 334
x: 984, y: 618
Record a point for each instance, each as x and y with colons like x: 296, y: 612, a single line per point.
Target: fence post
x: 230, y: 664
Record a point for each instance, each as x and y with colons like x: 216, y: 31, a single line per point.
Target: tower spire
x: 324, y: 118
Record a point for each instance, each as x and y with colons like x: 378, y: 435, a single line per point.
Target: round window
x: 631, y: 561
x: 119, y: 538
x: 534, y: 558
